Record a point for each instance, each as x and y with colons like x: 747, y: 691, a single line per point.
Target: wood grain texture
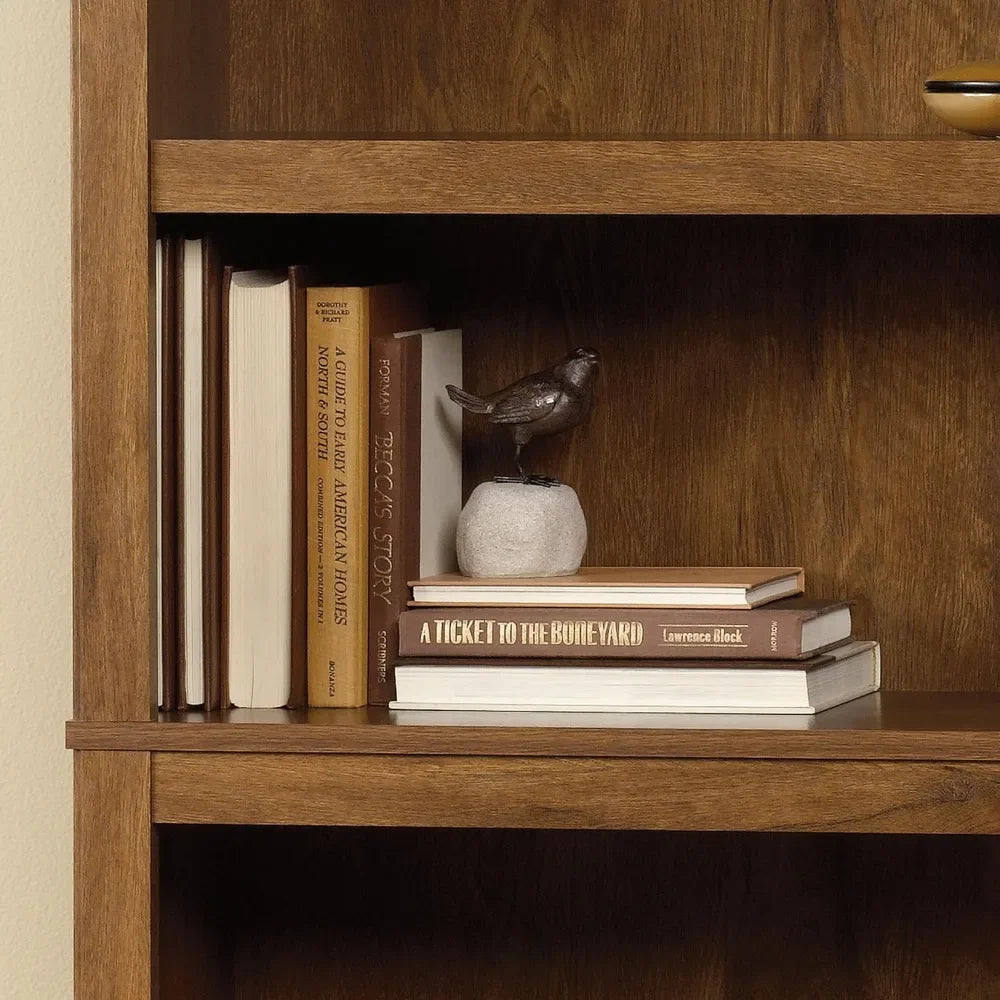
x: 727, y: 176
x: 942, y: 726
x: 529, y: 915
x: 570, y: 67
x: 810, y: 392
x: 188, y: 67
x: 114, y: 589
x: 816, y: 393
x: 577, y: 793
x: 196, y: 925
x: 113, y: 866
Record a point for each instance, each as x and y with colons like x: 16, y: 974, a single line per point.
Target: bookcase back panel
x: 822, y: 393
x: 440, y: 914
x: 552, y: 67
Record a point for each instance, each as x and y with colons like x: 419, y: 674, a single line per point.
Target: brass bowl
x: 967, y: 97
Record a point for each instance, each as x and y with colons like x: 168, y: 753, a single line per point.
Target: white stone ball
x: 520, y: 530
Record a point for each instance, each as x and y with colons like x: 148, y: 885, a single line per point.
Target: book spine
x: 224, y: 463
x: 179, y: 417
x: 635, y: 634
x: 168, y: 480
x: 211, y: 457
x: 337, y: 470
x: 298, y: 697
x: 393, y: 502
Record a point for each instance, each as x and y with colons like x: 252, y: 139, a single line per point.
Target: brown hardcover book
x: 393, y: 474
x: 790, y: 628
x: 198, y: 511
x: 211, y: 461
x: 180, y: 478
x: 227, y: 277
x: 810, y: 662
x: 620, y: 586
x: 168, y: 471
x: 299, y: 278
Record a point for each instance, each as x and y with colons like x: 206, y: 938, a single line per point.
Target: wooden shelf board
x: 578, y: 176
x: 947, y: 726
x: 575, y: 793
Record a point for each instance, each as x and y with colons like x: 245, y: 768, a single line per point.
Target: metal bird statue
x: 542, y: 403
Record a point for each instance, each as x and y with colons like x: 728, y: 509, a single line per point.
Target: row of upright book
x: 308, y: 464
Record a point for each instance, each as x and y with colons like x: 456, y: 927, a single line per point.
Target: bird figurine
x: 539, y: 404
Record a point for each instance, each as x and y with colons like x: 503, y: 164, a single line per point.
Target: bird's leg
x: 522, y: 477
x: 532, y: 480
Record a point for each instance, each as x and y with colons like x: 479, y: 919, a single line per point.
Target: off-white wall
x: 35, y: 595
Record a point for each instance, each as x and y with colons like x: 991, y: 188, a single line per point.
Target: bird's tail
x: 467, y: 401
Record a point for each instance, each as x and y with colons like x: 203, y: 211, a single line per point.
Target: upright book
x: 790, y: 628
x: 257, y: 489
x: 299, y: 278
x: 197, y: 470
x: 165, y: 387
x: 415, y: 467
x: 620, y: 586
x: 337, y: 338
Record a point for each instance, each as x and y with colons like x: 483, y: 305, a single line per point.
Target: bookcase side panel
x: 114, y: 925
x: 113, y: 586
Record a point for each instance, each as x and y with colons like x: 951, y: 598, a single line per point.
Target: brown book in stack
x: 791, y: 628
x: 652, y: 639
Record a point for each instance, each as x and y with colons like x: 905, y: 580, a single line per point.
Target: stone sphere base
x: 519, y: 530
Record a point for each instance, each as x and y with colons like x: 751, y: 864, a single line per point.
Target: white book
x: 440, y: 449
x: 619, y: 587
x: 801, y: 687
x: 192, y: 389
x: 259, y: 473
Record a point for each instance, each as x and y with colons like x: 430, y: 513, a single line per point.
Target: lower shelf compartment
x: 433, y: 914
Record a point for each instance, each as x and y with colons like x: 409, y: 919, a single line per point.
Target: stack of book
x: 721, y: 640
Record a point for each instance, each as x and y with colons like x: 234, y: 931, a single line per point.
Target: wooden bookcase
x: 791, y: 271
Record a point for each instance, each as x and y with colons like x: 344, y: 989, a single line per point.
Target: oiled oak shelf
x: 632, y: 793
x: 945, y: 726
x: 889, y: 176
x: 890, y: 763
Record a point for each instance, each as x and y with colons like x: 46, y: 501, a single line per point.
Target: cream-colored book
x: 620, y: 586
x: 337, y: 485
x: 804, y: 687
